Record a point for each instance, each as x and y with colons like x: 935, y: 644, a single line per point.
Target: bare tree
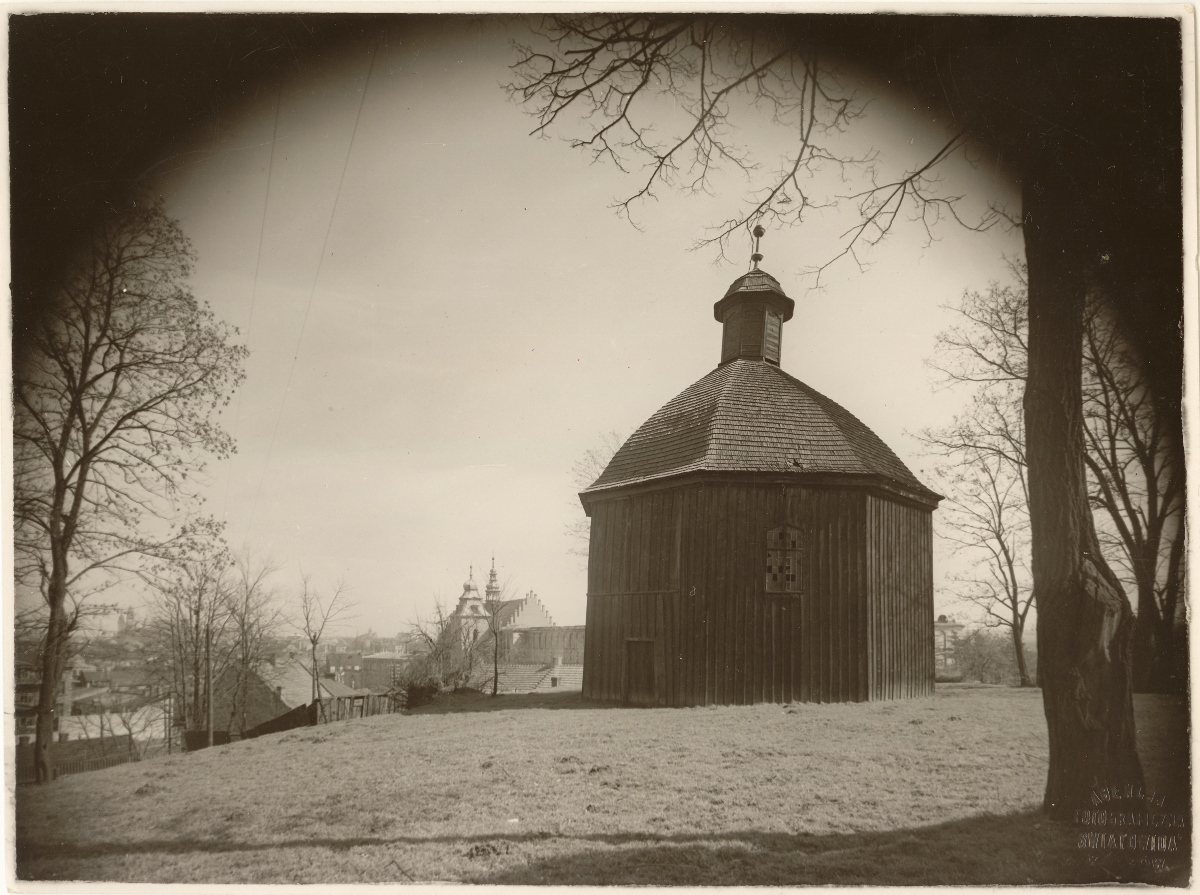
x: 983, y: 451
x: 317, y: 614
x: 987, y: 517
x: 112, y: 418
x: 1138, y: 486
x: 190, y: 625
x: 495, y: 615
x: 255, y: 619
x: 584, y: 473
x: 447, y: 651
x: 1135, y: 488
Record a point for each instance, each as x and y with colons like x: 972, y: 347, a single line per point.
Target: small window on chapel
x: 785, y: 555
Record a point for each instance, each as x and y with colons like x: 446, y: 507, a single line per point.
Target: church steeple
x: 491, y: 592
x: 753, y: 312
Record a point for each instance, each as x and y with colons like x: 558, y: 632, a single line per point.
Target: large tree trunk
x: 54, y: 659
x: 52, y: 662
x: 1085, y: 621
x: 1172, y: 635
x: 1149, y: 650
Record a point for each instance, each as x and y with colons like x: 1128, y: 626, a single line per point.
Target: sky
x: 444, y: 313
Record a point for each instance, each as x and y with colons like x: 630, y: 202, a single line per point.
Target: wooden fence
x: 27, y: 772
x: 343, y: 708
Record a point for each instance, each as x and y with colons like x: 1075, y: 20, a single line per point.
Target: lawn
x: 548, y: 789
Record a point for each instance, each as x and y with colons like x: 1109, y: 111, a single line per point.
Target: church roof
x: 508, y: 611
x: 754, y: 281
x: 750, y: 416
x: 755, y: 284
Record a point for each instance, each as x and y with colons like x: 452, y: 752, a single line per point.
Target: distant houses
x: 28, y: 682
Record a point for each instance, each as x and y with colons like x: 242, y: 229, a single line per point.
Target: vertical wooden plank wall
x: 741, y: 645
x: 901, y: 598
x: 685, y: 568
x: 633, y: 583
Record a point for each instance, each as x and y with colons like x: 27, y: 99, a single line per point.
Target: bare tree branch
x: 601, y: 75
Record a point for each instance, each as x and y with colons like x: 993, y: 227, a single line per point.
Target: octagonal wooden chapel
x: 754, y: 542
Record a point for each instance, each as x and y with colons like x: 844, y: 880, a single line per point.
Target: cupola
x: 752, y: 313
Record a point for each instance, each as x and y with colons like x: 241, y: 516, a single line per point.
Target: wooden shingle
x: 750, y: 416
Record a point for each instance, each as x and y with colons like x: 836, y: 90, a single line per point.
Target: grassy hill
x: 548, y: 789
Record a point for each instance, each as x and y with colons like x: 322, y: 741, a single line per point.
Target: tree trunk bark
x: 192, y: 720
x: 1084, y: 620
x: 208, y: 684
x: 1019, y: 649
x: 319, y: 714
x: 52, y: 661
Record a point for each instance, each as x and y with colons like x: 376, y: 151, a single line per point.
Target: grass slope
x: 547, y: 789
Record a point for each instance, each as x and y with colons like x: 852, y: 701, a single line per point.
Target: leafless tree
x: 255, y: 619
x: 1135, y: 488
x: 1138, y: 487
x: 1134, y: 485
x: 584, y: 473
x: 983, y: 468
x: 190, y: 627
x: 447, y: 651
x: 317, y: 616
x: 112, y: 418
x: 987, y: 517
x: 494, y: 616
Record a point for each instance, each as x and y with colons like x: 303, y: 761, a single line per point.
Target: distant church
x: 536, y: 654
x: 475, y: 611
x: 755, y: 542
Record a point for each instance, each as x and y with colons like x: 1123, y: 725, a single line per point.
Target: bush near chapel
x: 986, y: 656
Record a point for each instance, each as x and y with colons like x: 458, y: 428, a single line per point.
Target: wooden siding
x: 684, y: 567
x: 901, y: 623
x: 633, y: 587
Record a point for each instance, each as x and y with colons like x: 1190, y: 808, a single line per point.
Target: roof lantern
x: 753, y: 312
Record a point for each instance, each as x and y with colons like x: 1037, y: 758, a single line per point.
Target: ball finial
x: 757, y: 256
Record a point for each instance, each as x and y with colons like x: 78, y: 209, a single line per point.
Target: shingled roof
x: 755, y: 281
x: 750, y: 416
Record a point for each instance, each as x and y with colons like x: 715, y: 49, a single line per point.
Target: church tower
x: 469, y: 604
x: 491, y: 593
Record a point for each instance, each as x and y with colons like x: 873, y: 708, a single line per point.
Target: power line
x: 316, y: 277
x: 262, y: 228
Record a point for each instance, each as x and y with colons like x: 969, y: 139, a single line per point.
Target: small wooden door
x: 639, y: 673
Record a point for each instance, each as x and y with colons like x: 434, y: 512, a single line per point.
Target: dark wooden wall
x: 681, y: 570
x: 901, y: 624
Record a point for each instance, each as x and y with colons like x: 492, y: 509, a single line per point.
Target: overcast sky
x: 430, y: 357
